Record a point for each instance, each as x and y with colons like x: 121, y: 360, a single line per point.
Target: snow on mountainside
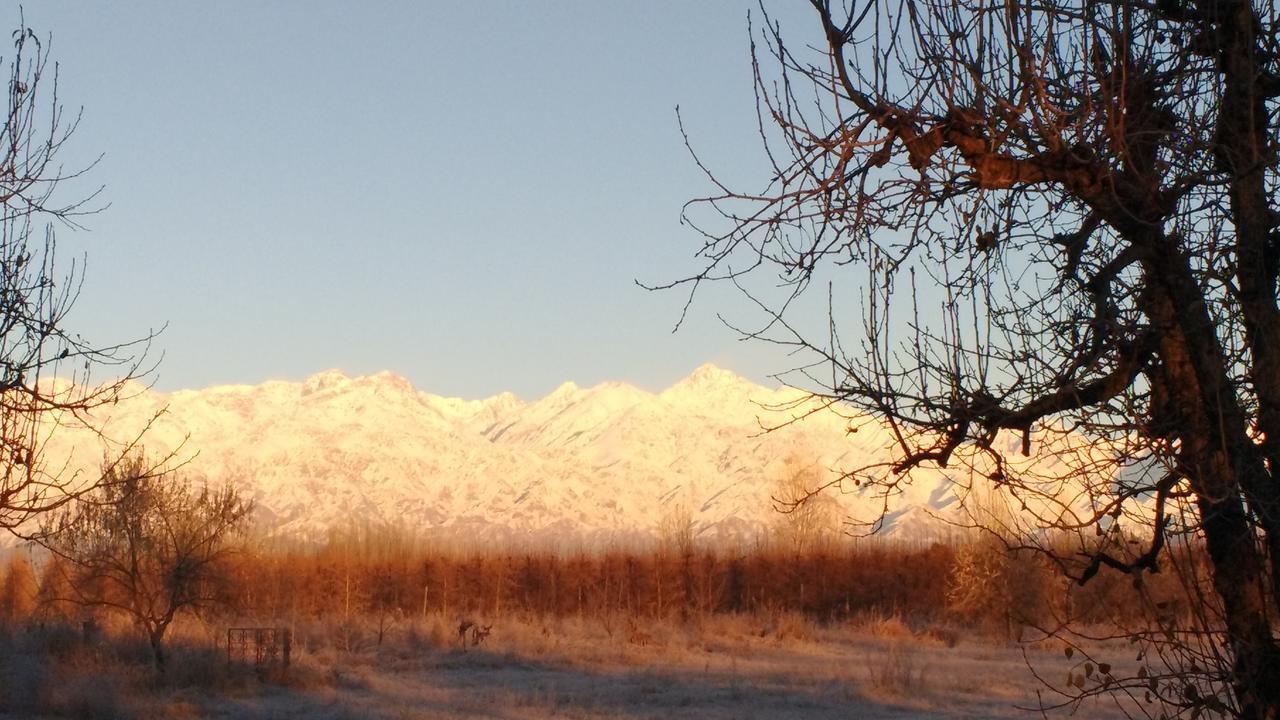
x: 599, y: 464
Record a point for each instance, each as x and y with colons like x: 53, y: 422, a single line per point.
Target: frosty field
x: 723, y: 667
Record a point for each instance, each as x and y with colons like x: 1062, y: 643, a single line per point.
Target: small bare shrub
x: 351, y: 637
x: 789, y: 626
x: 977, y: 590
x: 898, y: 670
x: 309, y: 671
x: 887, y: 627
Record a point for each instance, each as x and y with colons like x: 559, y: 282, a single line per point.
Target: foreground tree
x: 45, y: 368
x: 1088, y: 191
x: 149, y: 544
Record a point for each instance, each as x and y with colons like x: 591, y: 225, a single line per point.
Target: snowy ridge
x: 609, y: 463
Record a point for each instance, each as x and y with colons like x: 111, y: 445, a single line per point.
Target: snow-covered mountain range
x: 609, y: 463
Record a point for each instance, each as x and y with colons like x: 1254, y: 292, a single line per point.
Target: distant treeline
x: 827, y: 585
x: 386, y: 576
x: 975, y: 583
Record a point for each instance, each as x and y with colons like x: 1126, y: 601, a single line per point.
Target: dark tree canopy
x: 1061, y: 222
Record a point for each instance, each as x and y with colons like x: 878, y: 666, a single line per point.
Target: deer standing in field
x: 478, y: 633
x: 637, y: 635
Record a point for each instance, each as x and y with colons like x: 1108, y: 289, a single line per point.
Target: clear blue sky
x: 462, y: 192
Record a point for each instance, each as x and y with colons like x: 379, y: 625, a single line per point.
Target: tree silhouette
x: 1057, y: 227
x: 45, y: 368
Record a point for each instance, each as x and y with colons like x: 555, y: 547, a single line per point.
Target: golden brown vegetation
x: 380, y: 594
x: 388, y: 578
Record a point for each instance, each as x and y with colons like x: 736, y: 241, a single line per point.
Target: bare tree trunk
x: 1218, y: 456
x: 155, y: 636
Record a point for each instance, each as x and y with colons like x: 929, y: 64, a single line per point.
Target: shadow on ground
x: 454, y: 684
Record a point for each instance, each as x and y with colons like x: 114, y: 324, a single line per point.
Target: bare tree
x: 45, y: 368
x: 1057, y: 226
x: 150, y: 545
x: 808, y: 517
x: 677, y: 530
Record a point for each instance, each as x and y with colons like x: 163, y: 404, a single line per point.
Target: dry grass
x: 780, y: 665
x: 897, y: 670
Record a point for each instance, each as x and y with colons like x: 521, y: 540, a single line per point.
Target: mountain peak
x: 389, y: 379
x: 505, y: 398
x: 708, y: 376
x: 711, y: 370
x: 566, y: 388
x: 324, y: 380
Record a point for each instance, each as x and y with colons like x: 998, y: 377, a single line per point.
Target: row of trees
x: 167, y: 551
x: 340, y: 580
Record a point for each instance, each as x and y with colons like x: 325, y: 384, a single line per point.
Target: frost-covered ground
x: 722, y: 668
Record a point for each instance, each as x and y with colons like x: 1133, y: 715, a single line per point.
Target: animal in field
x: 472, y: 631
x: 637, y: 635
